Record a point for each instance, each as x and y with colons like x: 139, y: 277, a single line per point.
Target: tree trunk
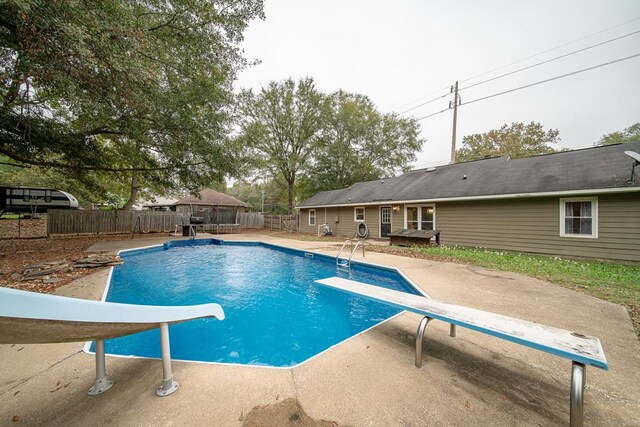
x: 134, y: 192
x: 291, y: 183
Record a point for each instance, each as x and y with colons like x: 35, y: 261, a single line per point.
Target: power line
x: 424, y: 103
x: 518, y: 61
x: 433, y: 114
x: 534, y: 84
x: 549, y: 50
x: 551, y: 79
x: 423, y: 97
x: 549, y: 60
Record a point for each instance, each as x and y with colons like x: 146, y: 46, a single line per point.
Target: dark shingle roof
x: 588, y: 169
x: 211, y: 197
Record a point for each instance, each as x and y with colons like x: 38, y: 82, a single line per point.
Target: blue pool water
x: 275, y: 314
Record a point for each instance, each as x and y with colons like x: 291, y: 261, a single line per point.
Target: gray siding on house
x: 340, y: 220
x: 522, y: 224
x: 533, y: 225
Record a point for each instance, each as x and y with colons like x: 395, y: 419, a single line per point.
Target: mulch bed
x: 60, y: 259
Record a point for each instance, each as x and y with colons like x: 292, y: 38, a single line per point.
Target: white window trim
x: 364, y: 214
x: 428, y: 205
x: 594, y: 217
x: 314, y: 217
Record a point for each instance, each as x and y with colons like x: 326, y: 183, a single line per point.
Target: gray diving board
x: 580, y: 349
x: 33, y: 318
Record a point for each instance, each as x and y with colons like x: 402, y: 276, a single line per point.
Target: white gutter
x: 489, y: 197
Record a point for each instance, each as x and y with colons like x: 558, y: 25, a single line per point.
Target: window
x: 25, y: 195
x: 421, y: 217
x: 312, y: 217
x: 358, y: 214
x: 412, y: 218
x: 579, y: 217
x: 426, y: 214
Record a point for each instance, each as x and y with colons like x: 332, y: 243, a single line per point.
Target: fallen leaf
x: 467, y: 404
x: 16, y: 392
x: 15, y: 418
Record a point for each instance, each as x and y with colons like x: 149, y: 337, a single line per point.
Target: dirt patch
x: 23, y: 228
x: 287, y: 413
x: 16, y: 254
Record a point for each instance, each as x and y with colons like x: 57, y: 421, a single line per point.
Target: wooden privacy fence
x: 250, y: 220
x: 113, y: 221
x: 281, y: 222
x: 96, y: 222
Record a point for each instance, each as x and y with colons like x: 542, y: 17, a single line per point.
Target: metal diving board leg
x: 578, y: 382
x: 419, y: 336
x: 169, y: 385
x: 102, y: 383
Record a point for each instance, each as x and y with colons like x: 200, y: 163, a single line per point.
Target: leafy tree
x: 360, y: 144
x: 630, y: 134
x: 275, y: 199
x: 517, y: 140
x: 281, y: 127
x: 138, y: 90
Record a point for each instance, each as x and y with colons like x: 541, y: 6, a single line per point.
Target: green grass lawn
x: 614, y: 282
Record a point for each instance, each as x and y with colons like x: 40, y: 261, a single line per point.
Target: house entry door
x: 385, y: 221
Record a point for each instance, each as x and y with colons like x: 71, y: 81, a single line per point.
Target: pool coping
x: 86, y: 348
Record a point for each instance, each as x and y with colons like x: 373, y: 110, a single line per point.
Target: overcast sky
x: 399, y: 52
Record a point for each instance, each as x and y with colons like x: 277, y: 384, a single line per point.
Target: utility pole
x: 454, y: 104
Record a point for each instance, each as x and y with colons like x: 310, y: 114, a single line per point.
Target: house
x: 212, y: 206
x: 581, y: 203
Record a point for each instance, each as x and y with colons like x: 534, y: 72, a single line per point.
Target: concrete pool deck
x: 367, y: 380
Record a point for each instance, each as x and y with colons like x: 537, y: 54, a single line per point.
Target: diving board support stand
x: 102, y: 383
x: 422, y: 327
x: 169, y: 385
x: 578, y: 383
x: 419, y: 337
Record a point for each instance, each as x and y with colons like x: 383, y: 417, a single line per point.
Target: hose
x: 362, y: 230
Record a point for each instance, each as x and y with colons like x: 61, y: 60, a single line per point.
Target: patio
x: 368, y: 380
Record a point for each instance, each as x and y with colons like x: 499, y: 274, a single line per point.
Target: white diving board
x: 580, y: 349
x: 33, y: 318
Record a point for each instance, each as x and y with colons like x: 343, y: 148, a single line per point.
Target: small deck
x: 405, y: 237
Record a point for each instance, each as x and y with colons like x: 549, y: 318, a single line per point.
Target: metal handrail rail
x: 355, y: 248
x: 352, y: 250
x: 342, y: 249
x: 192, y: 230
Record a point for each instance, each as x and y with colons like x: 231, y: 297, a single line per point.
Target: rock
x: 32, y: 273
x: 98, y: 261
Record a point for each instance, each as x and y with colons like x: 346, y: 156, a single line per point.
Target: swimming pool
x: 275, y: 315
